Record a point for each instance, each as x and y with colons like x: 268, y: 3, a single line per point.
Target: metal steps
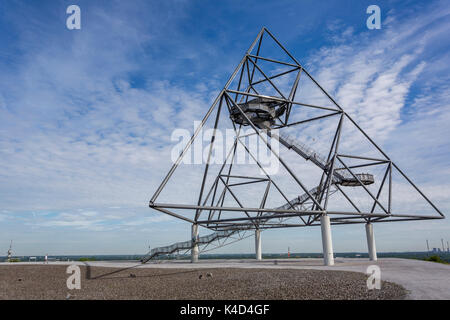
x: 186, y: 245
x: 341, y: 175
x: 295, y: 203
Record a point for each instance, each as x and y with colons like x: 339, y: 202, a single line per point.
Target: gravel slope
x: 49, y: 282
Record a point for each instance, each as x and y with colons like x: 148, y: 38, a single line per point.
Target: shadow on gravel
x: 105, y: 275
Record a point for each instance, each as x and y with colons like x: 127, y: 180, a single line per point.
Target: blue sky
x: 86, y: 115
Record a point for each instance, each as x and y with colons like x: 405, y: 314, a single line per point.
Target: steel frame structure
x: 210, y: 210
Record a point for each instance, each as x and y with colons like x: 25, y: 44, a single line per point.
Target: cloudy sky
x: 86, y: 115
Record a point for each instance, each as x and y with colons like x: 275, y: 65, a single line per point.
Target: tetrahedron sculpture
x: 330, y: 171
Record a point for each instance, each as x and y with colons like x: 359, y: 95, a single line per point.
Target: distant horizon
x: 224, y: 254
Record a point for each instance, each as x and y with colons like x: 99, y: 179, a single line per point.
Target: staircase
x: 294, y: 204
x: 186, y: 245
x: 340, y: 176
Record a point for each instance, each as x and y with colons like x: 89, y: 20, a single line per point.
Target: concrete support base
x: 327, y: 244
x: 258, y: 244
x: 194, y: 250
x: 371, y: 242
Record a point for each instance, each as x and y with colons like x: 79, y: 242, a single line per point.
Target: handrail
x: 341, y: 175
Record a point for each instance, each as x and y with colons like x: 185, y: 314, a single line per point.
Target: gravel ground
x: 49, y: 282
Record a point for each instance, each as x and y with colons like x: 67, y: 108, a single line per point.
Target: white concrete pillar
x: 371, y: 242
x: 194, y: 250
x: 327, y: 244
x: 258, y: 244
